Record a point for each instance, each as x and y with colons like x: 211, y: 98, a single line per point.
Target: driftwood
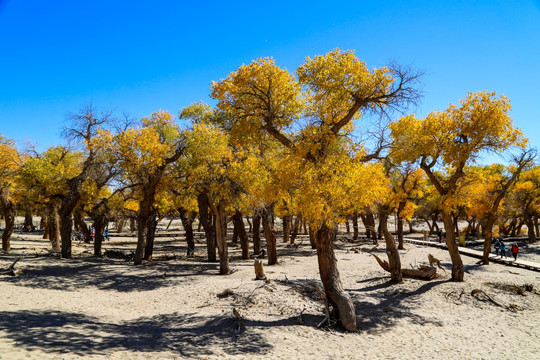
x: 11, y: 270
x: 259, y: 270
x: 423, y: 272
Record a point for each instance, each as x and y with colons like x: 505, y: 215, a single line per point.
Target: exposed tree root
x: 11, y: 270
x: 422, y: 272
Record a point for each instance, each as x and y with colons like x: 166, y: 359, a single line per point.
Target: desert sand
x: 169, y: 308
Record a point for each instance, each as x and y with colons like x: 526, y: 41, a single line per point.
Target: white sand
x: 88, y: 308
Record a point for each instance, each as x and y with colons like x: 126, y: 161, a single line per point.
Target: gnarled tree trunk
x: 336, y: 295
x: 209, y: 226
x: 355, y: 226
x: 270, y: 234
x: 286, y: 228
x: 9, y: 215
x: 150, y: 236
x: 221, y: 237
x: 391, y: 250
x: 458, y: 270
x: 187, y: 222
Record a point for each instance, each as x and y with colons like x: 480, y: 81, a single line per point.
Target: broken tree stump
x: 259, y: 270
x: 423, y: 272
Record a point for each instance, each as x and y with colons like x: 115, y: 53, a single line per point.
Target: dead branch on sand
x: 422, y: 272
x: 11, y: 270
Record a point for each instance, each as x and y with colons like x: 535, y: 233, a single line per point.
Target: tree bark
x: 286, y: 228
x: 488, y: 238
x: 355, y: 226
x: 401, y: 206
x: 312, y: 237
x: 458, y: 270
x: 530, y: 229
x: 391, y: 250
x: 242, y: 234
x: 54, y: 225
x: 221, y: 237
x: 81, y: 226
x: 269, y: 234
x: 9, y: 215
x: 336, y: 295
x: 296, y: 228
x: 187, y: 222
x: 209, y: 225
x: 28, y: 221
x: 150, y: 236
x: 257, y: 233
x: 100, y: 222
x: 347, y: 226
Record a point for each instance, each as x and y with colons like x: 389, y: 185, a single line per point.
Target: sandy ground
x: 102, y: 308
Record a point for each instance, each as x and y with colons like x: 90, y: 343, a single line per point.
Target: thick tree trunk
x: 286, y: 228
x: 209, y: 225
x: 44, y: 224
x: 391, y: 250
x: 133, y: 223
x: 187, y: 223
x: 100, y: 223
x: 458, y: 269
x: 54, y: 226
x: 355, y: 226
x: 150, y: 236
x: 536, y: 227
x: 257, y: 233
x: 9, y: 215
x: 336, y: 295
x: 269, y: 234
x: 142, y: 230
x: 242, y: 234
x: 347, y: 226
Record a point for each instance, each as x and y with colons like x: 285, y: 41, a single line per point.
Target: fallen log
x: 423, y: 272
x: 11, y: 270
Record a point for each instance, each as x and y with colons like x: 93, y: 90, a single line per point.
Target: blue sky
x: 141, y: 56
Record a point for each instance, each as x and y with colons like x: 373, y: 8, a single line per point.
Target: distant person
x: 502, y: 245
x: 515, y: 250
x: 497, y: 245
x: 440, y: 235
x: 92, y: 232
x: 106, y: 234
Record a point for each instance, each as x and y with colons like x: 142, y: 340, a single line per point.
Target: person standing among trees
x: 497, y: 246
x: 502, y: 245
x: 515, y: 250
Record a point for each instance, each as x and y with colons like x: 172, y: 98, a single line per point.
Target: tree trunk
x: 257, y: 233
x: 208, y: 225
x: 250, y: 224
x: 269, y: 234
x: 286, y: 228
x: 458, y: 269
x: 28, y: 221
x: 133, y: 223
x: 143, y: 218
x: 335, y: 294
x: 537, y: 228
x: 410, y: 223
x: 355, y: 226
x: 312, y: 237
x: 401, y: 206
x: 150, y: 236
x: 347, y: 226
x: 296, y: 227
x: 99, y: 226
x: 530, y: 229
x: 54, y: 225
x: 391, y: 250
x: 221, y: 237
x: 9, y: 214
x: 119, y: 223
x: 187, y: 223
x: 488, y: 238
x: 44, y: 224
x: 80, y: 224
x: 242, y: 234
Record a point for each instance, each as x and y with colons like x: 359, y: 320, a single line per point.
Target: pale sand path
x: 89, y: 308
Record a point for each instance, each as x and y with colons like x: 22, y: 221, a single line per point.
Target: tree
x: 10, y: 162
x: 525, y: 198
x: 339, y: 88
x: 145, y: 154
x: 451, y: 140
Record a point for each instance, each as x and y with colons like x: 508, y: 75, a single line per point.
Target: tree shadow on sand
x: 185, y: 334
x: 106, y: 274
x: 383, y: 304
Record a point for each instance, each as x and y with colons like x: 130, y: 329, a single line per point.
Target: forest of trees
x: 328, y: 144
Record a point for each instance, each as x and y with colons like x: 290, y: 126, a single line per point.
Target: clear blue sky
x: 141, y: 56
